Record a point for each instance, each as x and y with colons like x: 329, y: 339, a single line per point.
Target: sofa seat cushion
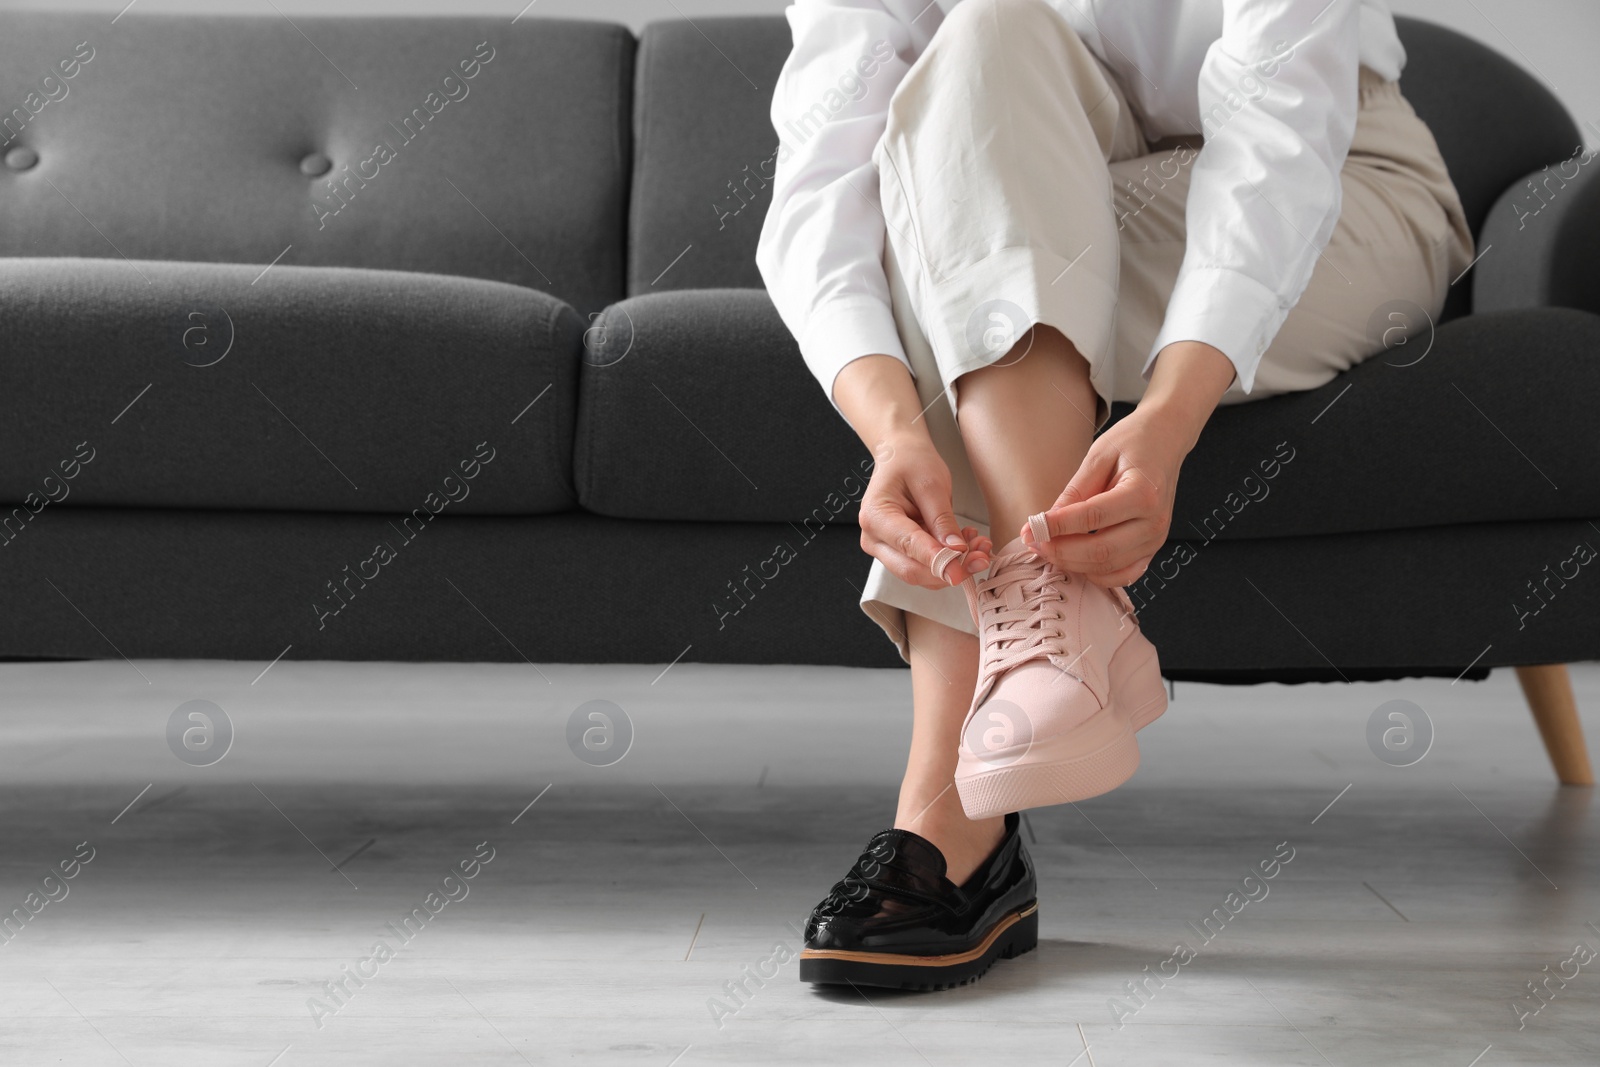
x: 202, y: 385
x: 1484, y: 419
x: 696, y: 405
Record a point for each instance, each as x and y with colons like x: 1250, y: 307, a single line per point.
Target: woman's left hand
x: 1112, y: 518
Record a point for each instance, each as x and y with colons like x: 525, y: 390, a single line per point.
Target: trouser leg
x: 995, y: 190
x: 1400, y: 240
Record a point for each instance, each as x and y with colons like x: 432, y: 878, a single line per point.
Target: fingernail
x: 954, y: 541
x: 975, y: 565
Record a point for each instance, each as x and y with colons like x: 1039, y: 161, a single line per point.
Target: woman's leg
x: 944, y: 671
x: 1027, y: 414
x: 994, y: 187
x: 1027, y: 424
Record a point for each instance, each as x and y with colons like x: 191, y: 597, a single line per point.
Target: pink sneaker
x: 1064, y: 680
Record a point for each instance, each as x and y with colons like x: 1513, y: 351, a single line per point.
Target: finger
x: 1133, y: 497
x: 934, y: 500
x: 1110, y: 549
x: 902, y: 566
x: 1093, y: 478
x: 888, y: 525
x: 933, y: 504
x: 980, y: 552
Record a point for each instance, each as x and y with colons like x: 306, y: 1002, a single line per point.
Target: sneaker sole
x: 1012, y: 936
x: 1089, y: 760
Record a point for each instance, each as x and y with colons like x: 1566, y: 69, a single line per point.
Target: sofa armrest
x: 1539, y: 242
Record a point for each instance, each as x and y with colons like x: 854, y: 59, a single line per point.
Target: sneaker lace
x: 1020, y: 610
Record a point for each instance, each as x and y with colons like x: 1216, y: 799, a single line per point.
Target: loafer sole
x: 1013, y: 935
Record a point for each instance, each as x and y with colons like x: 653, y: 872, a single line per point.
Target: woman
x: 1022, y: 211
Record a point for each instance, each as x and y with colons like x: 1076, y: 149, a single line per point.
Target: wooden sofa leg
x: 1549, y: 692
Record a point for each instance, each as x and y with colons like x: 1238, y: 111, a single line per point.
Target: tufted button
x: 315, y: 165
x: 21, y: 158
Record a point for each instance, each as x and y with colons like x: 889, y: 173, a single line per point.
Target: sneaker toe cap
x: 1030, y: 700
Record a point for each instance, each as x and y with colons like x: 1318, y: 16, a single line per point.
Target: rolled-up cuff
x: 886, y: 599
x: 973, y: 320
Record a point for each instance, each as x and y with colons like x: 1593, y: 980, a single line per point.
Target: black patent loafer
x: 896, y: 921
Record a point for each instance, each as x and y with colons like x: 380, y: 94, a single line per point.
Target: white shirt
x: 1276, y: 78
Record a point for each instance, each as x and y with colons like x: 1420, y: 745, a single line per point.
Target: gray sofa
x: 508, y: 386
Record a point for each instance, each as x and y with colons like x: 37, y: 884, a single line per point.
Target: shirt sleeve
x: 820, y: 251
x: 1278, y: 103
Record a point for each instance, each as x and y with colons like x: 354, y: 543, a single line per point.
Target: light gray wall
x: 1554, y: 39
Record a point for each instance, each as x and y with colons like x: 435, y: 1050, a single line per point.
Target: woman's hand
x: 906, y: 515
x: 1113, y: 517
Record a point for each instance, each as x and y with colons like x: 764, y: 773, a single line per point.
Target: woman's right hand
x: 906, y: 515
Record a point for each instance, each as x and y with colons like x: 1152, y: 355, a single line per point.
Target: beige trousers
x: 1015, y: 181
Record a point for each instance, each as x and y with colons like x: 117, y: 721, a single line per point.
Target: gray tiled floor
x: 617, y: 907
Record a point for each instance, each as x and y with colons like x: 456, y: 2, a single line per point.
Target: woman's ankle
x: 964, y: 842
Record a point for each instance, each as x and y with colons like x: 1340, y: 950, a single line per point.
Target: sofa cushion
x: 200, y: 385
x: 701, y: 188
x: 220, y: 139
x: 696, y: 405
x: 1479, y: 420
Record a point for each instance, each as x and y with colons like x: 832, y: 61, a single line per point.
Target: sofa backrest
x: 704, y: 151
x: 474, y: 147
x: 704, y: 185
x: 1494, y: 121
